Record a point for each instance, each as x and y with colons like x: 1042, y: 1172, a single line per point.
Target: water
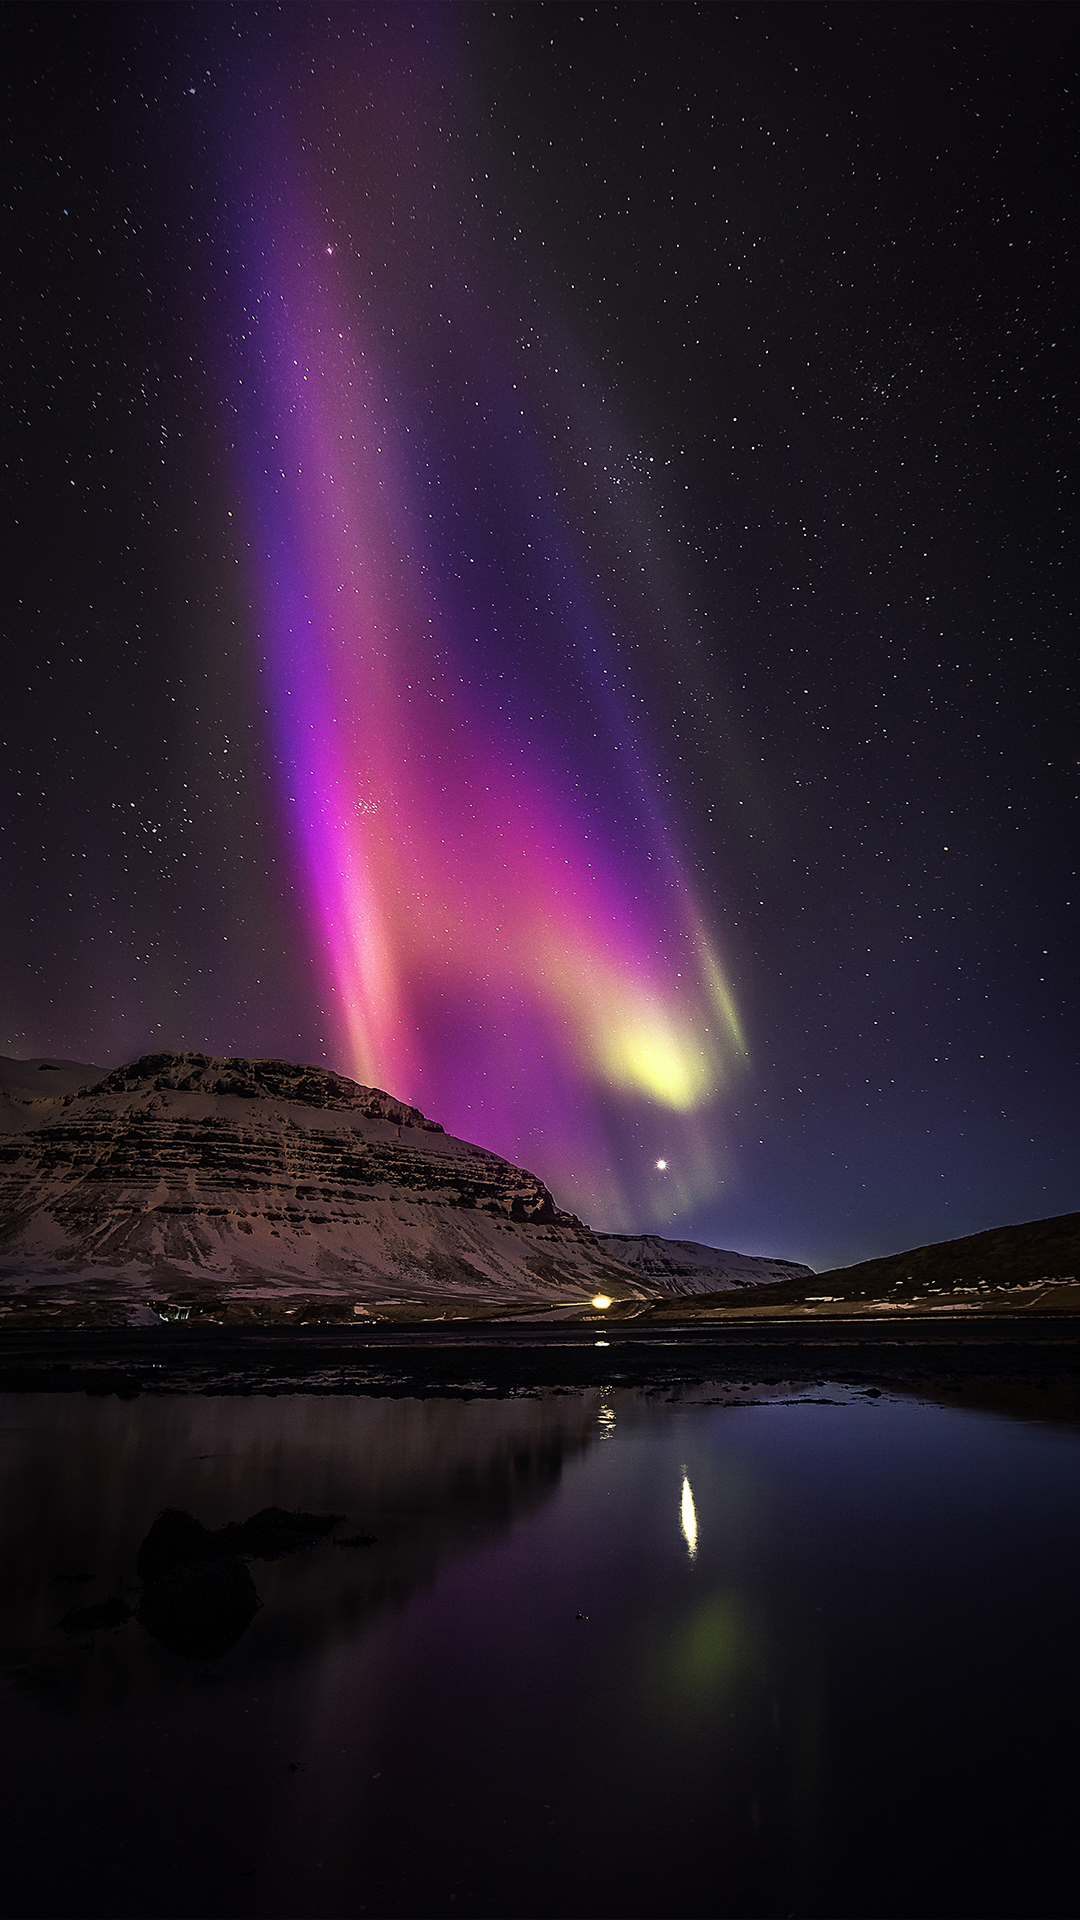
x: 609, y: 1653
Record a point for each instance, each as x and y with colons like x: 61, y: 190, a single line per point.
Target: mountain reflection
x: 85, y: 1480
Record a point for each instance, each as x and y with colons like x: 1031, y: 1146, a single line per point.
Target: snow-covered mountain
x: 685, y: 1266
x: 32, y: 1089
x: 250, y: 1184
x: 256, y: 1179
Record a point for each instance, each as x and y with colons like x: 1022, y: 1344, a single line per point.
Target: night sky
x: 542, y: 578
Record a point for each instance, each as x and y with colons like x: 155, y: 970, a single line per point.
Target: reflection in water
x: 83, y: 1479
x: 709, y: 1656
x: 503, y: 1684
x: 688, y: 1518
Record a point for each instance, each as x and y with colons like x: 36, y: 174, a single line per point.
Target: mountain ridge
x: 689, y: 1267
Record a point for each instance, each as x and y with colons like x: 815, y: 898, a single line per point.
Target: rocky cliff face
x: 255, y: 1182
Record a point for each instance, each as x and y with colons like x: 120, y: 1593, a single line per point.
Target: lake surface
x: 592, y: 1652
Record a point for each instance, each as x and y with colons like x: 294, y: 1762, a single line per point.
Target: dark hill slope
x: 1025, y: 1256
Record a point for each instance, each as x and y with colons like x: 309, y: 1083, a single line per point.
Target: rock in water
x: 200, y: 1608
x: 246, y: 1184
x: 273, y: 1534
x: 174, y: 1538
x: 198, y: 1597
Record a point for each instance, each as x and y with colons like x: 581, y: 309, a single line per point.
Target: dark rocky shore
x: 1029, y: 1363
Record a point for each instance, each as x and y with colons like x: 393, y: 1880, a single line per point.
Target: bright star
x: 661, y: 1166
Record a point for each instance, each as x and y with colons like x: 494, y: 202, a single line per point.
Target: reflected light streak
x: 688, y: 1517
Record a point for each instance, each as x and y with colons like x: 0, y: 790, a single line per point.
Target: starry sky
x: 541, y: 577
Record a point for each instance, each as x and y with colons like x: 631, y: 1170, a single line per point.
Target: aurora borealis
x: 505, y: 922
x: 540, y: 583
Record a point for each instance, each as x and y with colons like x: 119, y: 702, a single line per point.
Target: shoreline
x: 295, y: 1311
x: 1021, y: 1353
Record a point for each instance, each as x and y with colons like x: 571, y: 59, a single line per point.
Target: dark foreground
x: 325, y: 1626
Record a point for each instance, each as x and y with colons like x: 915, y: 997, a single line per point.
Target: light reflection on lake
x: 766, y: 1659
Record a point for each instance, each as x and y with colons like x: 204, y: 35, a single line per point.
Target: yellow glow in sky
x: 660, y: 1060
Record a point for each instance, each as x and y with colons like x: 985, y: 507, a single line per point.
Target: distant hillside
x: 30, y: 1089
x: 1014, y: 1256
x: 685, y: 1266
